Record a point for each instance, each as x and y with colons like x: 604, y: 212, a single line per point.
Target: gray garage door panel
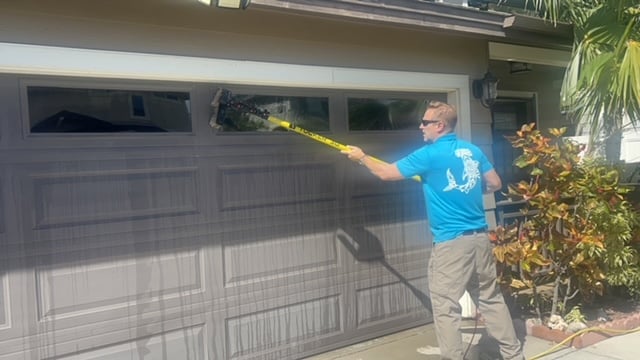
x: 191, y: 247
x: 187, y: 343
x: 131, y: 287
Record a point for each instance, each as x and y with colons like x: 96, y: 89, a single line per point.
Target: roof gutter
x: 431, y: 16
x: 405, y: 13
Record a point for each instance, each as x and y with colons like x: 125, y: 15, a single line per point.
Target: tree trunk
x: 612, y: 147
x: 556, y: 294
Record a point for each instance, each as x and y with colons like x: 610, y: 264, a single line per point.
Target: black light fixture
x: 486, y: 89
x: 229, y: 4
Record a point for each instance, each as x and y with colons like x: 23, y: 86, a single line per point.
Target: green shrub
x: 577, y: 230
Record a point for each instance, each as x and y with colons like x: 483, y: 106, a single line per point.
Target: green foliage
x: 578, y: 227
x: 601, y: 86
x: 575, y: 315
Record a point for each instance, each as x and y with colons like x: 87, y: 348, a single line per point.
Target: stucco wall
x: 192, y: 29
x: 189, y: 28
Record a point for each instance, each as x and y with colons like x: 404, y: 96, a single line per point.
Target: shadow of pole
x: 366, y: 247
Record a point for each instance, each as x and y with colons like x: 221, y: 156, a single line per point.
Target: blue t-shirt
x: 451, y: 170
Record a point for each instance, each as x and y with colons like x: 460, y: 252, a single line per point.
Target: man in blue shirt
x: 455, y: 174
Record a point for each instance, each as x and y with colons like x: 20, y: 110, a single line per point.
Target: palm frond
x: 629, y: 75
x: 601, y: 85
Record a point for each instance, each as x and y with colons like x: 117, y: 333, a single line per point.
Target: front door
x: 509, y: 114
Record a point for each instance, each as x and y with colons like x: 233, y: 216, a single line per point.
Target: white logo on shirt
x: 471, y: 172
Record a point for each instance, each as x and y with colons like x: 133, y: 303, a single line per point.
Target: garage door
x: 132, y: 228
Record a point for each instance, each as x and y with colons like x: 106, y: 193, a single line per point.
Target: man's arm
x: 492, y: 182
x: 384, y: 171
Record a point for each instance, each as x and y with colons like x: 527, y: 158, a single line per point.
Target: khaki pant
x: 467, y: 263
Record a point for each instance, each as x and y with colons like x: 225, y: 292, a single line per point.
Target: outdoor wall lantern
x: 486, y: 89
x: 229, y: 4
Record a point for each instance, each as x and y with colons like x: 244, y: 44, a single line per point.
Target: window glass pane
x: 310, y: 113
x: 76, y: 110
x: 387, y: 113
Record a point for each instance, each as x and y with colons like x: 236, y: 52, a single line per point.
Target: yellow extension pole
x: 319, y: 138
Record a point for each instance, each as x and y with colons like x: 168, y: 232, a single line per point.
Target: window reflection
x: 78, y: 110
x: 387, y: 113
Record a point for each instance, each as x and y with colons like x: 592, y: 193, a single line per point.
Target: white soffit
x: 527, y: 54
x: 63, y: 61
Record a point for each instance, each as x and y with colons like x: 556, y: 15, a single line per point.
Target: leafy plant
x: 577, y: 227
x: 575, y: 315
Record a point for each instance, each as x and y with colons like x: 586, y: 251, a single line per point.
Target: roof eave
x: 429, y: 16
x: 418, y: 14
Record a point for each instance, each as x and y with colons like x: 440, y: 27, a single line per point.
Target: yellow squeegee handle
x: 319, y: 138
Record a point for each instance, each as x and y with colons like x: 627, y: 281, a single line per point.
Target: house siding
x: 177, y: 257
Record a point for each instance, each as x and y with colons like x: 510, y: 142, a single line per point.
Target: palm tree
x: 601, y: 87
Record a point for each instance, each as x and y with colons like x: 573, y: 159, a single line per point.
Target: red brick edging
x: 627, y: 323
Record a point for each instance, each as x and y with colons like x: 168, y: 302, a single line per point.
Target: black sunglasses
x: 427, y: 122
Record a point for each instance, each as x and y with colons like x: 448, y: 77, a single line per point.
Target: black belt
x: 475, y: 231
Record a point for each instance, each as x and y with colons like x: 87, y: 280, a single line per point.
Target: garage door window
x: 368, y: 113
x: 82, y: 110
x: 311, y: 113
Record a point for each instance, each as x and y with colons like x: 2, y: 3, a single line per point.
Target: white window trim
x: 63, y: 61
